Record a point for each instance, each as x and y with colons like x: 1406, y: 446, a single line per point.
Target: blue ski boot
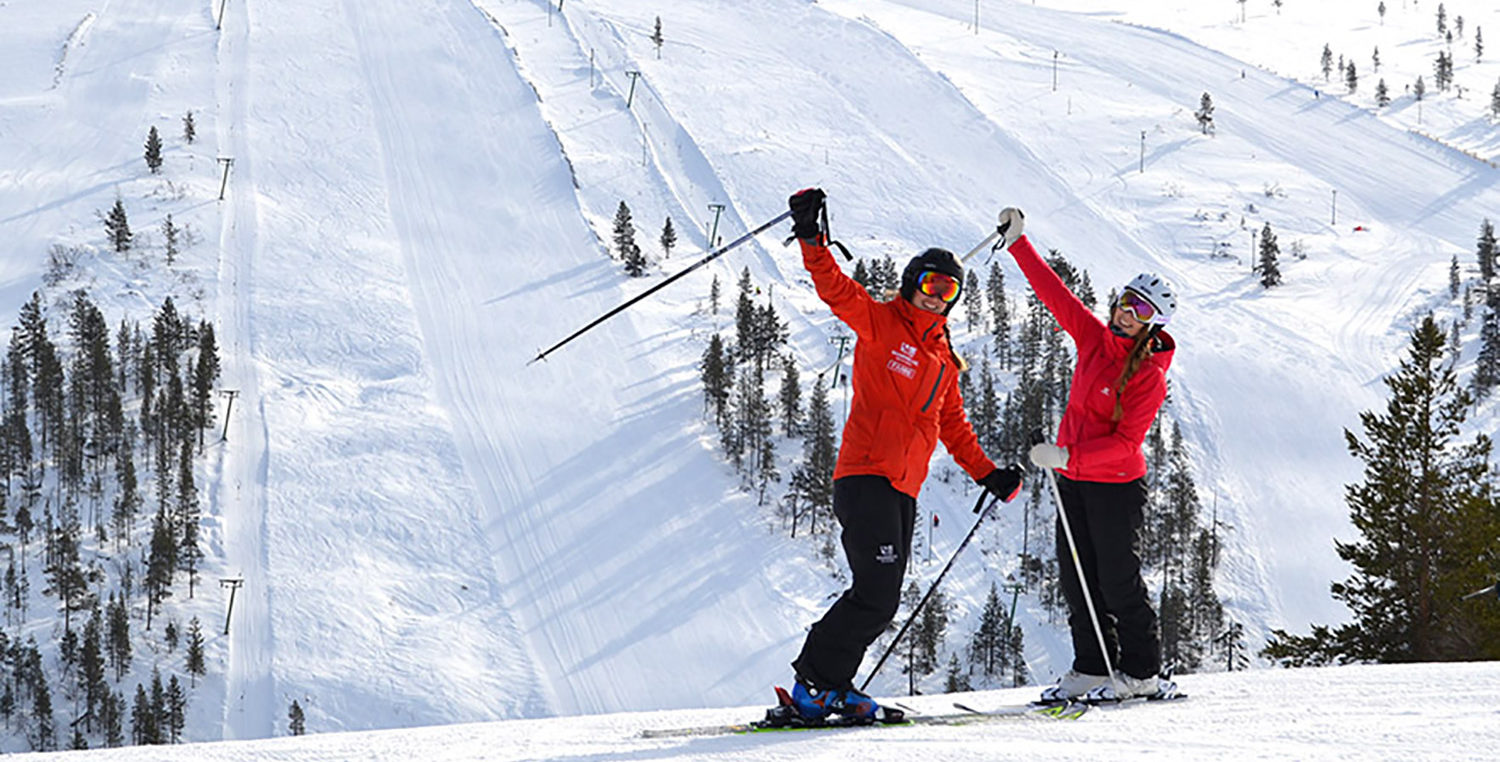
x: 812, y: 704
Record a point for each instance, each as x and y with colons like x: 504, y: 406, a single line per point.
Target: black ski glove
x: 1004, y: 483
x: 807, y: 207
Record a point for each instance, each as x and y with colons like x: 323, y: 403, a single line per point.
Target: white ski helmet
x: 1155, y: 289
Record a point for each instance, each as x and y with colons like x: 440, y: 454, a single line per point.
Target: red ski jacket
x: 1100, y: 449
x: 906, y: 394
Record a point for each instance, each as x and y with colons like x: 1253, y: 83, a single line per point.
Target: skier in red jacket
x: 1118, y: 386
x: 906, y: 399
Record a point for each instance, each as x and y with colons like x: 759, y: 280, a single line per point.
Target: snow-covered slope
x: 432, y: 531
x: 1408, y: 712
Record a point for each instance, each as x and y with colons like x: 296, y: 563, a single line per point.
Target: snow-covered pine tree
x: 1351, y: 77
x: 189, y: 128
x: 1327, y: 62
x: 1267, y: 268
x: 1205, y: 114
x: 657, y: 38
x: 973, y: 301
x: 999, y: 314
x: 296, y: 719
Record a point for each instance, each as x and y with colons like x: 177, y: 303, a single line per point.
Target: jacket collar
x: 928, y: 325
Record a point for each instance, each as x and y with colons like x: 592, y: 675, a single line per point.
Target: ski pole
x: 894, y: 642
x: 1000, y: 231
x: 1083, y: 582
x: 1495, y: 588
x: 711, y: 257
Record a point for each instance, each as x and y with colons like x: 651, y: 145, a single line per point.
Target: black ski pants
x: 877, y: 523
x: 1106, y: 521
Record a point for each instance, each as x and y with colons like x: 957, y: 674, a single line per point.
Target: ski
x: 1112, y: 703
x: 775, y: 723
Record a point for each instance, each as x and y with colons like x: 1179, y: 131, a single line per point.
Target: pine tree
x: 713, y: 295
x: 657, y: 39
x: 813, y: 479
x: 189, y: 129
x: 1453, y: 278
x: 1382, y: 94
x: 176, y: 710
x: 169, y: 231
x: 160, y: 563
x: 1442, y: 20
x: 196, y: 665
x: 117, y: 227
x: 715, y: 380
x: 1495, y: 101
x: 999, y: 314
x: 117, y: 645
x: 188, y: 553
x: 205, y: 375
x: 1375, y: 60
x: 153, y: 151
x: 791, y: 398
x: 668, y: 238
x: 973, y: 301
x: 1270, y: 271
x: 987, y: 646
x: 1381, y: 10
x: 1327, y: 62
x: 1478, y: 44
x: 296, y: 720
x: 1487, y: 364
x: 1419, y: 89
x: 1428, y: 524
x: 1351, y: 78
x: 1205, y: 114
x: 1486, y: 251
x: 957, y: 680
x: 624, y: 235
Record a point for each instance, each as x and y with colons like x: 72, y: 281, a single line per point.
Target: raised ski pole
x: 897, y: 640
x: 1083, y: 582
x: 1491, y: 590
x: 711, y: 257
x: 1000, y: 231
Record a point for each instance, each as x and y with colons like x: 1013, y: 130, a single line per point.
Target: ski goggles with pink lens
x: 940, y: 285
x: 1140, y: 307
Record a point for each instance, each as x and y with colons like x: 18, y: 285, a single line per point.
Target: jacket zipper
x: 939, y: 382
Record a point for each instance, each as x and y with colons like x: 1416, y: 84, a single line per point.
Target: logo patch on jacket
x: 903, y: 360
x: 887, y: 555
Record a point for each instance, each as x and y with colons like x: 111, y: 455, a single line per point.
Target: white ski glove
x: 1012, y: 224
x: 1047, y: 455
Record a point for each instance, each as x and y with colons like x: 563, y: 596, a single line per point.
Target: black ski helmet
x: 937, y: 260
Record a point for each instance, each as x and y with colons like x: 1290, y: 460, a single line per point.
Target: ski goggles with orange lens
x: 940, y: 285
x: 1138, y: 306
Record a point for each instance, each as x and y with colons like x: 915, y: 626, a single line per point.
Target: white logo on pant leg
x: 887, y: 554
